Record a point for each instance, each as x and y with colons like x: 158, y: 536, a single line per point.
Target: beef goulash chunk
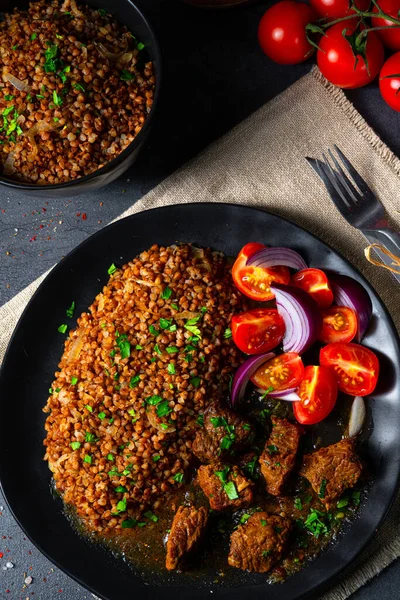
x: 225, y: 486
x: 259, y: 543
x: 279, y: 455
x: 186, y: 530
x: 331, y: 470
x: 224, y: 433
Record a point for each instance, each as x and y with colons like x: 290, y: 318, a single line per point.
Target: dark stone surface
x: 214, y: 76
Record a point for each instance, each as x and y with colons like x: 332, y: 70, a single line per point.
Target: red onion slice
x: 302, y: 317
x: 277, y: 257
x: 348, y: 292
x: 243, y: 374
x: 289, y: 395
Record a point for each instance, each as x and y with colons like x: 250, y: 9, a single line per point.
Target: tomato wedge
x: 280, y: 373
x: 255, y: 282
x: 339, y: 324
x: 318, y: 392
x: 356, y: 367
x: 315, y: 282
x: 257, y: 331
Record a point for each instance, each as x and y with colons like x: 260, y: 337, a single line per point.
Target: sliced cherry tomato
x: 389, y: 81
x: 315, y: 282
x: 280, y: 373
x: 255, y: 282
x: 343, y: 66
x: 257, y: 331
x: 335, y: 9
x: 356, y: 367
x: 339, y: 324
x: 282, y: 32
x: 389, y: 32
x: 318, y: 392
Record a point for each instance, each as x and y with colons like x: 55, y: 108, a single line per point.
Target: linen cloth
x: 261, y: 162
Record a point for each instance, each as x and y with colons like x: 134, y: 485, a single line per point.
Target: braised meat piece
x: 225, y: 486
x: 259, y: 543
x: 331, y: 470
x: 279, y: 455
x: 224, y: 433
x: 187, y: 527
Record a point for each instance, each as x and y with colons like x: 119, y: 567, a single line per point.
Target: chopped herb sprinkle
x: 88, y: 459
x: 231, y: 491
x: 166, y: 293
x: 70, y: 311
x: 101, y: 415
x: 171, y: 369
x: 134, y: 382
x: 178, y: 477
x: 156, y: 457
x: 75, y: 445
x: 227, y: 334
x: 172, y: 349
x: 322, y: 488
x: 127, y: 75
x: 111, y: 269
x: 63, y: 328
x: 151, y: 516
x: 74, y: 380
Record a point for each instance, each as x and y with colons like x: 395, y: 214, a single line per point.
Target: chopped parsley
x: 266, y: 553
x: 57, y: 99
x: 50, y: 390
x: 322, y: 489
x: 111, y: 269
x: 164, y: 426
x: 266, y: 392
x: 63, y: 77
x: 110, y: 457
x: 138, y: 347
x: 90, y: 437
x: 39, y: 96
x: 227, y: 334
x: 156, y: 457
x: 195, y: 381
x: 175, y: 306
x: 218, y: 421
x: 88, y: 459
x: 128, y: 523
x: 14, y: 47
x: 101, y: 415
x: 223, y: 475
x: 356, y: 498
x: 134, y: 382
x: 127, y: 75
x: 33, y: 36
x: 75, y: 445
x: 153, y: 330
x: 165, y: 323
x: 342, y: 503
x: 200, y: 420
x: 250, y: 467
x: 231, y: 491
x: 166, y: 293
x: 171, y: 369
x: 244, y: 518
x: 157, y: 349
x: 80, y: 88
x: 123, y: 345
x: 263, y: 522
x: 191, y: 326
x: 298, y: 504
x: 121, y: 506
x: 89, y: 408
x: 8, y: 97
x: 316, y: 524
x: 163, y: 409
x: 63, y: 328
x: 70, y: 311
x: 178, y: 477
x: 172, y: 349
x: 102, y: 12
x: 246, y: 427
x: 153, y: 400
x: 120, y: 489
x: 140, y: 46
x: 52, y: 62
x: 151, y: 516
x: 272, y: 449
x: 74, y: 380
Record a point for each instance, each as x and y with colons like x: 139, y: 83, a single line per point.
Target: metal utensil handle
x: 390, y: 239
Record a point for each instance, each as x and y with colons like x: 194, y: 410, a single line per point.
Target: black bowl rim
x: 132, y: 146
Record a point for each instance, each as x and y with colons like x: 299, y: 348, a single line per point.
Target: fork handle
x: 390, y: 239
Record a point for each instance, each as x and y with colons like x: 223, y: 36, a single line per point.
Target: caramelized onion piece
x: 17, y: 83
x: 76, y: 348
x: 112, y: 56
x: 9, y: 168
x: 39, y: 127
x: 155, y: 421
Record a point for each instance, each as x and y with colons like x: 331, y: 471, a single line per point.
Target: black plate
x: 36, y: 347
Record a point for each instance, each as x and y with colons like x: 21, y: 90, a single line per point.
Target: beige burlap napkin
x: 261, y: 163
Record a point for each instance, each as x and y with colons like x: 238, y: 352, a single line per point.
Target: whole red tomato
x: 390, y: 86
x: 337, y: 61
x: 335, y: 9
x: 282, y: 32
x: 390, y: 37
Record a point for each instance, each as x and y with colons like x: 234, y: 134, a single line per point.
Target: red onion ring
x: 243, y: 374
x: 348, y: 292
x: 288, y: 395
x: 276, y: 257
x: 302, y: 317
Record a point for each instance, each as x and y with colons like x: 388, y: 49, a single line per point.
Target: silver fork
x: 360, y: 207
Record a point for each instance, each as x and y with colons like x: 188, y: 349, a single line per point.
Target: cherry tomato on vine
x: 346, y: 67
x: 255, y: 282
x: 318, y: 392
x: 257, y: 331
x: 336, y: 9
x: 282, y: 32
x: 356, y: 367
x: 389, y: 81
x: 391, y: 35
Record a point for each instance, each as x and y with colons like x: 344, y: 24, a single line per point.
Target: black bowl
x: 129, y: 15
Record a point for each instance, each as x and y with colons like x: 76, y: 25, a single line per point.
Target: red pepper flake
x: 29, y: 551
x: 7, y: 591
x: 84, y: 217
x: 78, y: 214
x: 40, y: 226
x: 33, y: 238
x: 1, y: 555
x: 44, y: 209
x: 60, y: 591
x: 101, y: 203
x: 45, y: 579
